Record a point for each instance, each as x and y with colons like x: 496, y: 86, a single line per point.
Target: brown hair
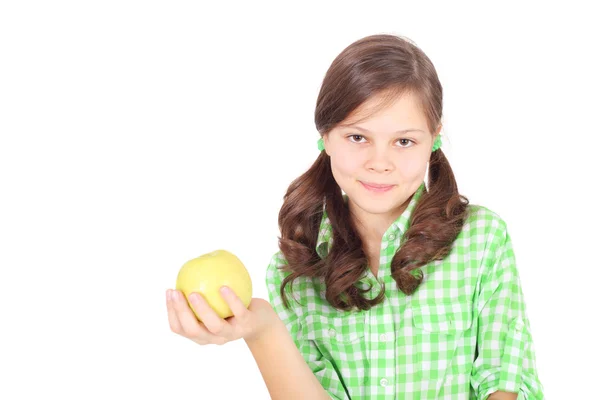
x: 374, y: 65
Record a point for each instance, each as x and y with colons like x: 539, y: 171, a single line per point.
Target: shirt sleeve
x: 505, y: 358
x: 322, y: 367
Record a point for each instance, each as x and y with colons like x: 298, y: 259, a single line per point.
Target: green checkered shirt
x: 463, y: 334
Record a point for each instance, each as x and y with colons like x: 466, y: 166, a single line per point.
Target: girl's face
x: 375, y: 151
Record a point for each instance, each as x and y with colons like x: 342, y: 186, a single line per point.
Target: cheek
x: 414, y: 165
x: 346, y: 166
x: 411, y: 167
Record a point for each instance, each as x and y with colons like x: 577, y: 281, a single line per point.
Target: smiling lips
x: 376, y: 187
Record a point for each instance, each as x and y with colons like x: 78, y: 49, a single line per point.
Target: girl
x: 387, y: 284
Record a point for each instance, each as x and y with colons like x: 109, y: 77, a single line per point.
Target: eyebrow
x: 397, y: 132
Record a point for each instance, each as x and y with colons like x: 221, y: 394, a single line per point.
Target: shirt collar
x: 398, y: 227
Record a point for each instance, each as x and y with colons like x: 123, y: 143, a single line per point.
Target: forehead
x: 401, y: 111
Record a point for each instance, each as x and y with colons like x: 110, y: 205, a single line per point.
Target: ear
x: 437, y: 132
x: 326, y: 143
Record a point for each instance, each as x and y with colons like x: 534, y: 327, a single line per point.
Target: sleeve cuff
x: 508, y: 376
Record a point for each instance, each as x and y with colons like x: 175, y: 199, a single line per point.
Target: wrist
x: 271, y: 327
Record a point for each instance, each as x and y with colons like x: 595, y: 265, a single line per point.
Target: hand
x: 247, y: 323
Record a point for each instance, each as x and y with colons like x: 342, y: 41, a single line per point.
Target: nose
x: 379, y: 161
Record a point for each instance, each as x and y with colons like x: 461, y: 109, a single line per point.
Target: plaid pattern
x: 463, y: 334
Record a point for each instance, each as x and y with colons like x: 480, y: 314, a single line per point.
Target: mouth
x: 376, y: 187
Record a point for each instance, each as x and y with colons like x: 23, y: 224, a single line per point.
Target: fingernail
x: 174, y: 295
x: 225, y: 290
x: 194, y: 298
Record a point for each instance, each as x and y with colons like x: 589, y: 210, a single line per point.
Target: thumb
x: 235, y: 303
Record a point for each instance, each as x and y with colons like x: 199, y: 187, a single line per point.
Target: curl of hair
x: 385, y: 65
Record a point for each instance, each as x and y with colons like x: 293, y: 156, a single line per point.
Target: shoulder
x: 278, y: 269
x: 277, y: 260
x: 302, y: 293
x: 275, y: 272
x: 485, y: 232
x: 482, y: 220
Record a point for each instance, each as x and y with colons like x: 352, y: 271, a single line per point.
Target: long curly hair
x: 377, y: 64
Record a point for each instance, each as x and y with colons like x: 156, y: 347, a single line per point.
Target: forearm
x: 502, y: 396
x: 283, y: 368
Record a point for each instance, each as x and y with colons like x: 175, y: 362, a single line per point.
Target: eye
x: 354, y: 136
x: 406, y: 142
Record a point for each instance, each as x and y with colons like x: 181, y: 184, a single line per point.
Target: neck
x: 371, y: 227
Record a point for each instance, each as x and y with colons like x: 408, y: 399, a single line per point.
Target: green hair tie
x: 320, y: 144
x: 436, y: 144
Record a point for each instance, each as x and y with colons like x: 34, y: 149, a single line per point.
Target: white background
x: 138, y: 135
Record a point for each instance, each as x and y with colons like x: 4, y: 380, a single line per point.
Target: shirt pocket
x: 339, y: 339
x: 442, y: 340
x: 445, y: 318
x: 346, y: 329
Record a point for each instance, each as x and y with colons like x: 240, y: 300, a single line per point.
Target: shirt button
x: 392, y: 237
x: 332, y: 332
x: 383, y: 337
x: 383, y: 382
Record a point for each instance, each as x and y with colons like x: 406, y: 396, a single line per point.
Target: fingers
x: 184, y: 322
x: 172, y: 313
x: 235, y: 303
x: 215, y: 324
x: 212, y: 330
x: 189, y: 322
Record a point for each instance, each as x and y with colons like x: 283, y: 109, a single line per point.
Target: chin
x: 374, y: 205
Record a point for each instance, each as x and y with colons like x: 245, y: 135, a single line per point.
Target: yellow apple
x: 207, y: 273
